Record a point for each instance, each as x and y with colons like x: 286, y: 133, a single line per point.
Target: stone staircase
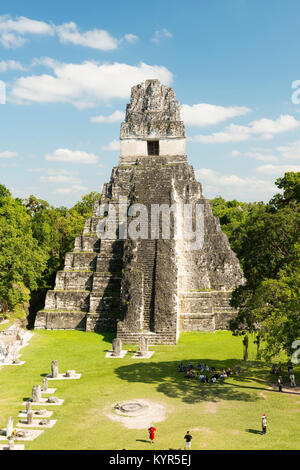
x: 148, y: 254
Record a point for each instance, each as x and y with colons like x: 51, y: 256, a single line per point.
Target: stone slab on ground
x: 44, y: 402
x: 35, y: 424
x: 147, y: 356
x: 10, y: 363
x: 63, y: 377
x: 109, y: 354
x: 23, y: 414
x: 31, y: 435
x: 49, y: 391
x: 16, y: 447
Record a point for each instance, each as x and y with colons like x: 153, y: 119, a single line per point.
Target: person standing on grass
x: 264, y: 424
x: 279, y: 383
x: 292, y: 380
x: 151, y: 431
x: 188, y: 439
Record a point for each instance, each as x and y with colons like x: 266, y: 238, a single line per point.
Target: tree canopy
x: 34, y: 238
x: 266, y: 241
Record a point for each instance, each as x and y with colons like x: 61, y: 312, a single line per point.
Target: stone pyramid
x: 158, y: 283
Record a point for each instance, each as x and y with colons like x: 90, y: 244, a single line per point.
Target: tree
x: 290, y: 184
x: 21, y: 260
x: 267, y: 244
x: 246, y: 344
x: 85, y: 206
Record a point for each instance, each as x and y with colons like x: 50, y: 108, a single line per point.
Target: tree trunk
x: 245, y: 343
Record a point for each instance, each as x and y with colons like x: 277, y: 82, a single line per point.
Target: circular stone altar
x: 131, y: 408
x: 136, y: 413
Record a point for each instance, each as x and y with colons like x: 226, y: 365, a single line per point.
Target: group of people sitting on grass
x: 205, y: 373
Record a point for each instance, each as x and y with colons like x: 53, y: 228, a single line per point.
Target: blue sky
x: 68, y: 68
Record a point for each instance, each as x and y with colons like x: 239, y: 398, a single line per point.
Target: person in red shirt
x: 151, y: 431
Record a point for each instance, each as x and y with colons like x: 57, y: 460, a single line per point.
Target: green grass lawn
x: 219, y: 416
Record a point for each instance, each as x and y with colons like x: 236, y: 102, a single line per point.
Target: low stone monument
x: 2, y: 353
x: 11, y: 445
x: 8, y: 354
x: 30, y: 417
x: 117, y: 351
x: 20, y: 335
x: 55, y: 375
x: 44, y: 422
x: 117, y: 347
x: 53, y: 400
x: 143, y: 349
x: 28, y: 407
x: 9, y: 427
x: 143, y: 346
x: 70, y: 373
x: 45, y: 384
x: 36, y: 393
x: 54, y: 369
x: 40, y: 412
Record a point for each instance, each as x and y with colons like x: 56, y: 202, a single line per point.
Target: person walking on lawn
x: 264, y: 424
x: 188, y: 439
x: 151, y: 431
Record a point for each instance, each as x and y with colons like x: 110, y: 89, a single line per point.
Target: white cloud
x: 96, y: 38
x: 131, y: 38
x: 85, y: 84
x: 277, y: 170
x: 160, y: 34
x: 291, y: 150
x: 71, y: 189
x: 262, y: 128
x: 6, y: 65
x: 72, y: 156
x: 255, y: 154
x: 231, y: 186
x: 12, y: 32
x: 12, y: 41
x: 59, y: 177
x: 116, y: 116
x: 23, y: 25
x: 112, y: 146
x: 268, y: 127
x: 232, y: 133
x: 204, y: 114
x: 8, y: 154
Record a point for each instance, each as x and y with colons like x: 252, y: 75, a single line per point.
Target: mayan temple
x: 153, y: 285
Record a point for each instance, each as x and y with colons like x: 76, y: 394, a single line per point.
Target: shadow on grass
x: 254, y: 431
x: 107, y: 336
x: 173, y: 384
x: 142, y: 440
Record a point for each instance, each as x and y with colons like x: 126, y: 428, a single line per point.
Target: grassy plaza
x: 224, y: 415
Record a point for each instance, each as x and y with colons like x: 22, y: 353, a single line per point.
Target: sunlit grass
x: 220, y: 416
